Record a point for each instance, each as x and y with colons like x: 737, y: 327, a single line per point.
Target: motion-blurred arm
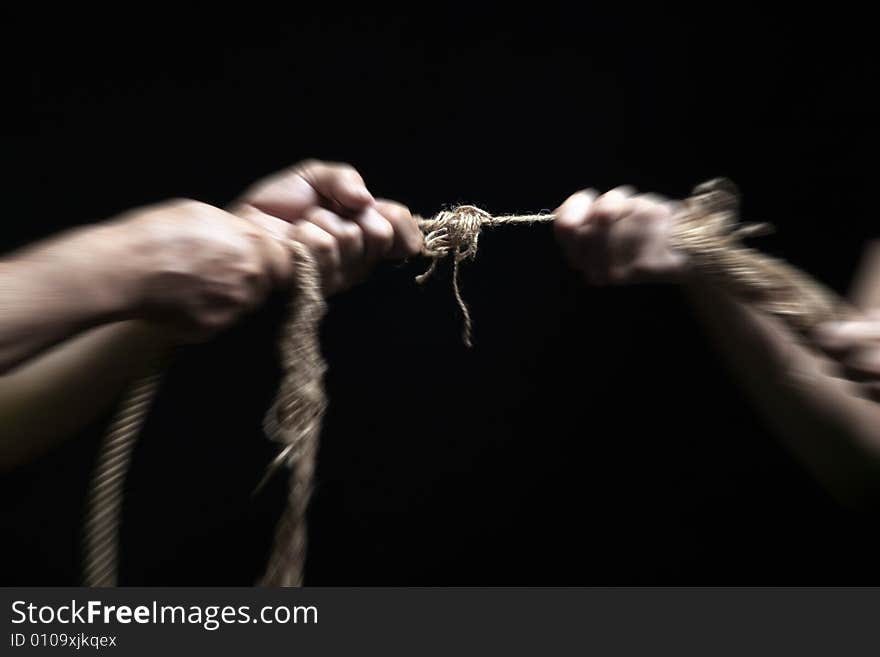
x: 817, y: 400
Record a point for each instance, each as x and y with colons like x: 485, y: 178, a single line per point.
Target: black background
x: 591, y: 436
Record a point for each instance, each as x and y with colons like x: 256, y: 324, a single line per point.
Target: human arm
x: 808, y: 394
x: 192, y: 269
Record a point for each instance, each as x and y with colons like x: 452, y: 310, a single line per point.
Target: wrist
x: 102, y: 269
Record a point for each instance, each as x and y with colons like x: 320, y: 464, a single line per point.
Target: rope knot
x: 455, y: 231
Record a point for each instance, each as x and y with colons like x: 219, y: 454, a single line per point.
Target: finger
x: 655, y: 199
x: 612, y: 205
x: 639, y: 249
x: 338, y: 182
x: 408, y: 238
x: 596, y: 232
x: 573, y: 212
x: 284, y: 196
x: 825, y: 338
x: 324, y: 248
x: 347, y: 233
x: 378, y: 233
x: 569, y: 217
x: 273, y: 238
x: 649, y: 204
x: 840, y: 337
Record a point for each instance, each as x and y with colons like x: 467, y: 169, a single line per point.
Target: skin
x: 191, y: 266
x: 818, y: 393
x: 86, y: 310
x: 62, y: 390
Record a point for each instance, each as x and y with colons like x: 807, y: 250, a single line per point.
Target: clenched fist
x: 328, y: 207
x: 195, y: 266
x: 619, y: 237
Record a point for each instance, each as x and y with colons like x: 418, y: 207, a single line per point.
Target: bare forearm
x: 620, y: 237
x: 56, y: 289
x: 832, y: 429
x: 58, y: 393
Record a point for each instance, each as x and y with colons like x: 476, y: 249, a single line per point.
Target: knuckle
x: 179, y: 201
x: 605, y: 200
x: 604, y: 210
x: 396, y: 211
x: 324, y: 245
x: 646, y: 207
x: 351, y: 238
x: 382, y: 234
x: 346, y: 170
x: 308, y: 170
x: 185, y: 205
x: 572, y: 213
x: 652, y: 199
x: 306, y: 166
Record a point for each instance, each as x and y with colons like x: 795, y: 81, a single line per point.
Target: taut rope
x: 706, y: 229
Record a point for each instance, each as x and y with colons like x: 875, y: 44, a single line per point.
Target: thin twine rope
x: 457, y: 232
x: 706, y: 229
